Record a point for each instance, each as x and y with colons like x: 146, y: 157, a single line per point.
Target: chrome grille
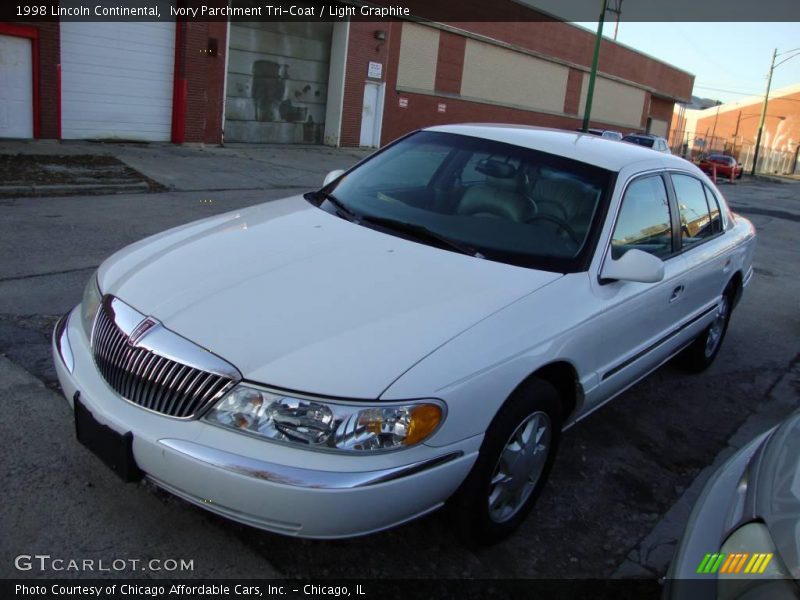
x: 157, y: 381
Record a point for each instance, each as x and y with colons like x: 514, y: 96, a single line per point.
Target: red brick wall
x: 510, y: 22
x: 422, y: 110
x: 661, y: 108
x: 551, y: 38
x: 362, y: 47
x: 205, y: 76
x: 450, y: 66
x: 49, y: 58
x: 572, y: 99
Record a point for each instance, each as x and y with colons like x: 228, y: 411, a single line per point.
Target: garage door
x: 16, y: 87
x: 277, y: 84
x: 117, y: 80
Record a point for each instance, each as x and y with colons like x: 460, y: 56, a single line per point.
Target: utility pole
x: 616, y: 10
x: 587, y: 111
x: 763, y: 112
x: 714, y: 130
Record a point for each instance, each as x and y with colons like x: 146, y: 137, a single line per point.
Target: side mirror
x: 331, y: 176
x: 634, y: 265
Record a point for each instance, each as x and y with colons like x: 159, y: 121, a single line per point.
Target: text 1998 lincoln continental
x: 419, y: 330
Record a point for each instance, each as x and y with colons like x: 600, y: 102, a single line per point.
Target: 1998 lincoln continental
x: 418, y: 331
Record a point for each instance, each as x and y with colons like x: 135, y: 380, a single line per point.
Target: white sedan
x: 420, y: 330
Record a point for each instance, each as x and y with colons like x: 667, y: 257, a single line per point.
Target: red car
x: 724, y: 164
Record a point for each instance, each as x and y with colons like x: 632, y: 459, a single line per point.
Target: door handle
x: 676, y: 293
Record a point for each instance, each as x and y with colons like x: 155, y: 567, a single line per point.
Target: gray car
x: 743, y: 536
x: 659, y: 144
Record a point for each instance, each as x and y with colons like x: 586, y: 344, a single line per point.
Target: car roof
x: 591, y: 149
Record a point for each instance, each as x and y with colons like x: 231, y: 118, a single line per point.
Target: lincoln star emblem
x: 141, y: 330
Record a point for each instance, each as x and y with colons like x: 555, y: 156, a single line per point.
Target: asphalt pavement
x: 614, y: 506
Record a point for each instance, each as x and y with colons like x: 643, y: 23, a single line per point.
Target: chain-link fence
x: 695, y: 145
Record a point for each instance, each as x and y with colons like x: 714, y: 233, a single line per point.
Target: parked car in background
x: 420, y: 329
x: 608, y: 134
x: 659, y: 144
x: 725, y: 165
x: 742, y: 539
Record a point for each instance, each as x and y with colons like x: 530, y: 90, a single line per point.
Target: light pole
x: 772, y: 67
x: 587, y: 111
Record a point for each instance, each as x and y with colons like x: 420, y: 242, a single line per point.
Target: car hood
x: 300, y: 299
x: 777, y: 491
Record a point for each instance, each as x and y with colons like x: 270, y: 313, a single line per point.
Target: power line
x: 781, y: 98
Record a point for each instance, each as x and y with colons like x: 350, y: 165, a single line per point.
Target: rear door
x: 703, y: 247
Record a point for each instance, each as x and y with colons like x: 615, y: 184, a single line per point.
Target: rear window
x: 647, y: 142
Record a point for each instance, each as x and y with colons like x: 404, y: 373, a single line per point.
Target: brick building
x: 732, y: 129
x: 344, y: 83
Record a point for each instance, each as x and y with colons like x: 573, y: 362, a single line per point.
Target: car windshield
x: 493, y: 200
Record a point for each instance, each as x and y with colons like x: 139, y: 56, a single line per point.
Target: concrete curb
x: 655, y: 551
x: 75, y: 189
x: 775, y: 179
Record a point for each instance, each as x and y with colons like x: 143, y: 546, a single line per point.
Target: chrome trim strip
x: 748, y: 277
x: 165, y: 342
x: 295, y: 476
x: 61, y: 341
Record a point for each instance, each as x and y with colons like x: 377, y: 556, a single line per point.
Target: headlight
x: 751, y: 562
x: 90, y: 303
x: 323, y: 424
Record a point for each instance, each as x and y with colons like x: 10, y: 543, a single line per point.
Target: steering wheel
x: 562, y: 224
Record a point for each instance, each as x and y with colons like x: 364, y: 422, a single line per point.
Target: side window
x: 695, y: 218
x: 713, y: 206
x: 644, y: 220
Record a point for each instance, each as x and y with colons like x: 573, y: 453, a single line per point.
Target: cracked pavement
x: 621, y: 487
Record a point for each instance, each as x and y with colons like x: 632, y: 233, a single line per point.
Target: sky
x: 729, y: 60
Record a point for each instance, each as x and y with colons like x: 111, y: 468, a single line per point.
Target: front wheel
x: 512, y: 466
x: 702, y: 352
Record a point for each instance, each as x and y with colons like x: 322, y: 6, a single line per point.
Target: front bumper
x: 266, y: 485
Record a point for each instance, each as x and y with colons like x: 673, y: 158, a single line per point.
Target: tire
x: 699, y: 355
x: 519, y: 469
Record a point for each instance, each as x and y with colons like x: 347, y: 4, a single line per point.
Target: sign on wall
x: 441, y: 107
x: 375, y: 70
x: 403, y: 102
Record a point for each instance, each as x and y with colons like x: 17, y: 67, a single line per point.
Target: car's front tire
x: 513, y: 464
x: 704, y: 349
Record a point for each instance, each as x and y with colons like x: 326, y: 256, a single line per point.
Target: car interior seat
x: 565, y: 199
x: 498, y: 196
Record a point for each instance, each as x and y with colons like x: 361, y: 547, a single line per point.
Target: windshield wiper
x: 341, y: 208
x: 422, y: 233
